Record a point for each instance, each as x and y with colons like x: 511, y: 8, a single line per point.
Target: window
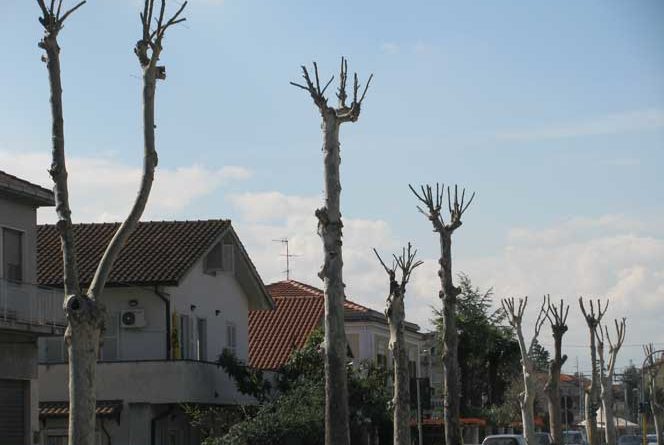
x: 55, y: 350
x: 231, y: 337
x: 381, y: 352
x: 354, y: 344
x: 201, y: 341
x: 12, y: 254
x: 412, y: 369
x: 185, y: 337
x: 110, y: 350
x: 220, y: 258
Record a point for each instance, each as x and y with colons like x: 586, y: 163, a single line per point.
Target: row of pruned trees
x: 598, y: 393
x: 85, y: 310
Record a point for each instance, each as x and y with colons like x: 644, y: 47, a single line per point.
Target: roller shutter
x: 12, y: 412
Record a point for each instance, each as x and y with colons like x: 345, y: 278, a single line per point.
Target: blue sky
x: 553, y: 112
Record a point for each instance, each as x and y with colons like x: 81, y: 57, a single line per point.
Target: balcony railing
x: 150, y: 381
x: 29, y: 304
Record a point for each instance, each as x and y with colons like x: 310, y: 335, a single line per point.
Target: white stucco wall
x: 371, y: 332
x: 211, y: 293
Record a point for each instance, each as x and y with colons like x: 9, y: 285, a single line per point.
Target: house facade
x: 27, y: 311
x: 179, y: 294
x: 274, y: 335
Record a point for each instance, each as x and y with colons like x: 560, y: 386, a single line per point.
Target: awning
x: 105, y: 408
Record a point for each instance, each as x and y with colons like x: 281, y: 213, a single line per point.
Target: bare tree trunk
x: 401, y: 376
x: 592, y: 392
x: 337, y: 430
x: 527, y: 402
x: 450, y: 359
x: 606, y: 376
x: 329, y: 227
x: 652, y: 369
x: 448, y: 294
x: 558, y: 320
x: 396, y: 319
x: 85, y: 312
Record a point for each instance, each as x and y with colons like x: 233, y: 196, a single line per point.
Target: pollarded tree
x: 396, y: 319
x: 606, y: 375
x: 527, y: 402
x: 593, y: 320
x: 85, y: 310
x: 337, y: 430
x: 651, y: 369
x: 448, y: 294
x: 557, y: 316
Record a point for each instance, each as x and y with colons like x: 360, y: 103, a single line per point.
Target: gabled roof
x: 157, y: 252
x: 299, y: 309
x: 22, y: 190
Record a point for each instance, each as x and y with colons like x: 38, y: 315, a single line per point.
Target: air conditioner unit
x: 132, y: 318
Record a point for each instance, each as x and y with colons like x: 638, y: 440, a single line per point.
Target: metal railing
x: 25, y: 303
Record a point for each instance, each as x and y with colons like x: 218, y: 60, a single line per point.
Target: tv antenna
x: 288, y: 255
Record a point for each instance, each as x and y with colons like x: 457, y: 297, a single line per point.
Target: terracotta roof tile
x: 156, y: 252
x: 299, y: 309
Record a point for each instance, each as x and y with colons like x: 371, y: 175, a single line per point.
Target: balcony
x: 31, y: 308
x: 149, y: 381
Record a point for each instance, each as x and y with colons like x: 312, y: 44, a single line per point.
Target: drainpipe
x: 167, y: 305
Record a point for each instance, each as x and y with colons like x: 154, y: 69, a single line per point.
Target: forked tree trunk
x: 593, y: 321
x: 396, y: 319
x: 558, y: 319
x: 85, y: 312
x: 337, y: 430
x: 606, y: 375
x: 527, y: 401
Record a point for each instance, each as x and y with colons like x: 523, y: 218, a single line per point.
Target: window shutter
x: 228, y: 258
x: 12, y: 254
x: 110, y: 348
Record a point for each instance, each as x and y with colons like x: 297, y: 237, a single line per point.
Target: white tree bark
x: 656, y: 406
x: 606, y: 375
x: 592, y: 392
x: 396, y: 319
x: 557, y: 317
x: 85, y: 312
x: 448, y: 294
x: 337, y: 430
x: 527, y: 402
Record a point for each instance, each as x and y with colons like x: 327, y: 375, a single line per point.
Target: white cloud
x: 612, y: 256
x: 103, y: 189
x: 609, y: 124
